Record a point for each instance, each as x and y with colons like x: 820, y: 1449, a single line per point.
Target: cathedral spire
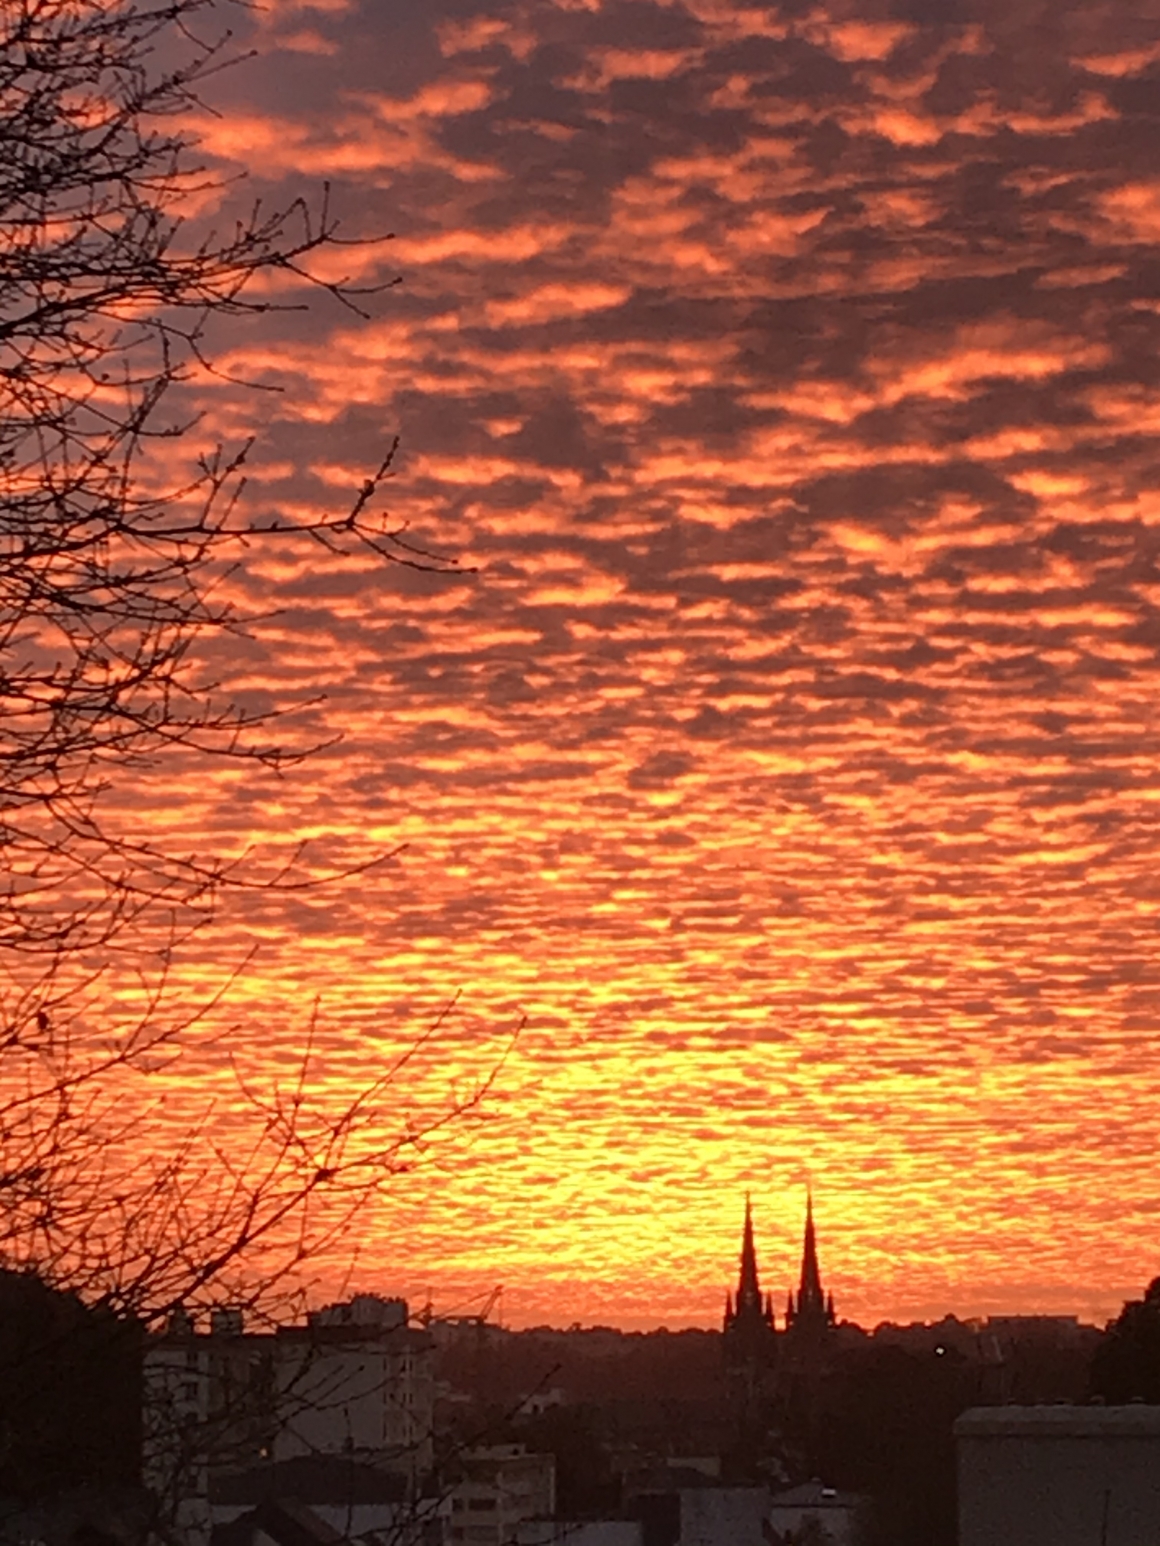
x: 814, y: 1308
x: 748, y: 1286
x: 810, y: 1288
x: 748, y: 1307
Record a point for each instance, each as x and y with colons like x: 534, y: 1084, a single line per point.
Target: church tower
x: 749, y: 1345
x: 807, y: 1348
x: 811, y: 1315
x: 749, y: 1321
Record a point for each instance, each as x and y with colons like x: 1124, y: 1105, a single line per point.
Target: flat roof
x: 814, y: 1495
x: 1050, y: 1422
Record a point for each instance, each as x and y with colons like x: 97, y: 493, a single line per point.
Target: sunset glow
x: 789, y: 765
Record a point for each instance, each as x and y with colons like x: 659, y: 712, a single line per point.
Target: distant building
x: 772, y: 1375
x: 1062, y: 1475
x: 351, y: 1500
x: 816, y: 1513
x: 702, y: 1515
x: 723, y: 1516
x: 749, y: 1348
x: 502, y: 1487
x: 806, y: 1347
x: 1051, y: 1328
x: 356, y: 1383
x: 357, y: 1380
x: 749, y: 1326
x: 811, y: 1315
x: 1034, y: 1358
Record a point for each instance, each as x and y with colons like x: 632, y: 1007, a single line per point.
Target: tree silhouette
x: 70, y: 1397
x: 1126, y: 1366
x: 107, y: 586
x: 110, y: 588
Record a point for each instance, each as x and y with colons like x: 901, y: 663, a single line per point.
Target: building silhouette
x: 749, y: 1319
x: 774, y: 1377
x: 805, y: 1354
x: 749, y: 1344
x: 810, y: 1316
x: 750, y: 1326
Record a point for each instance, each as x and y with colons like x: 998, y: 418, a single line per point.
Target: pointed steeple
x: 748, y: 1286
x: 814, y: 1309
x: 810, y: 1288
x: 749, y: 1315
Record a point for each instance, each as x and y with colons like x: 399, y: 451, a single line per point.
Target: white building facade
x: 502, y: 1487
x: 1061, y: 1475
x: 355, y: 1382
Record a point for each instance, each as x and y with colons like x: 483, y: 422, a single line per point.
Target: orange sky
x: 791, y: 374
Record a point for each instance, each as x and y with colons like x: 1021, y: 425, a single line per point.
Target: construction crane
x: 455, y: 1317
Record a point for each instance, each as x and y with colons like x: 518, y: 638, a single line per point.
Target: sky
x: 785, y: 764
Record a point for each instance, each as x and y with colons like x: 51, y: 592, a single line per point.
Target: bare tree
x: 109, y: 587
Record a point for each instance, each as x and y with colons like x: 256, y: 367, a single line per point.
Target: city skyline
x: 504, y: 1305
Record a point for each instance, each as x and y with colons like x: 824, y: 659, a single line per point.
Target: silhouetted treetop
x: 1126, y: 1366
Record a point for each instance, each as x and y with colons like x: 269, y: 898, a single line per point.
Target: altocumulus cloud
x: 791, y: 373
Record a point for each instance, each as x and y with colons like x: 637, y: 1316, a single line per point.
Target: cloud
x: 789, y: 375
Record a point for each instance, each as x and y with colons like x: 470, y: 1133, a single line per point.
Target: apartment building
x: 501, y: 1487
x: 355, y: 1381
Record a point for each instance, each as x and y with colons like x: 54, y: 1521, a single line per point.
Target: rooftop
x: 815, y: 1495
x: 1046, y: 1422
